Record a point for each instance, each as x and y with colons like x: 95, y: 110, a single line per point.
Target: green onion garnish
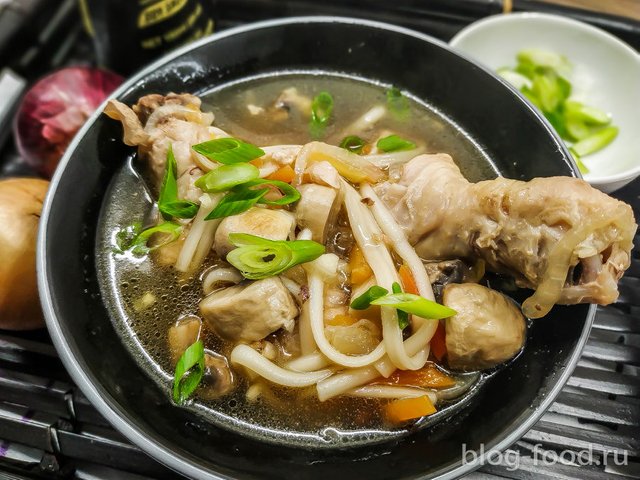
x: 394, y: 143
x: 397, y: 103
x: 135, y: 239
x: 125, y: 236
x: 364, y: 301
x: 139, y: 245
x: 541, y: 76
x: 228, y: 150
x: 405, y: 302
x: 376, y: 292
x: 238, y: 200
x: 226, y: 177
x: 403, y: 317
x: 168, y: 203
x: 289, y: 193
x: 353, y: 143
x: 596, y: 141
x: 242, y: 197
x: 258, y: 257
x: 189, y: 372
x: 321, y: 108
x: 415, y: 305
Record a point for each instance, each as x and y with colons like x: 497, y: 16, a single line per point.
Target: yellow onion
x: 20, y: 206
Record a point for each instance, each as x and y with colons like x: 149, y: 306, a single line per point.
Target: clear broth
x: 290, y: 416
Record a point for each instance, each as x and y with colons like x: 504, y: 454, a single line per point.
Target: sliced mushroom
x: 182, y: 334
x: 317, y: 209
x: 271, y: 224
x: 218, y: 379
x: 487, y: 329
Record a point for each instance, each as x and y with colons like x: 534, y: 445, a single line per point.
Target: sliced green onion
x: 528, y: 93
x: 394, y: 143
x: 538, y: 58
x: 238, y: 200
x: 168, y: 203
x: 576, y: 128
x: 404, y: 302
x: 189, y: 372
x: 179, y: 209
x: 585, y: 113
x: 364, y: 301
x: 139, y: 245
x: 397, y: 102
x: 514, y: 78
x: 415, y: 305
x: 289, y: 193
x: 564, y: 87
x: 242, y: 197
x: 541, y: 77
x: 550, y: 89
x: 403, y: 317
x: 258, y: 257
x: 321, y: 109
x: 228, y: 150
x: 581, y: 166
x: 125, y: 236
x: 226, y: 177
x: 557, y: 121
x: 596, y: 141
x: 353, y: 143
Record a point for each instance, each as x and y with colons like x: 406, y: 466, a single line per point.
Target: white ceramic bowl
x: 606, y: 75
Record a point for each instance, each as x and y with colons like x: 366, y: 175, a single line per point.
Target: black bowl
x: 521, y: 144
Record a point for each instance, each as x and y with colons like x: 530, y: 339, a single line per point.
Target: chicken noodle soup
x: 300, y: 243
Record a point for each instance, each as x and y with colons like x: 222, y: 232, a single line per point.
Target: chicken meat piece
x: 487, y: 329
x: 155, y: 123
x: 261, y: 222
x: 559, y: 236
x: 249, y: 312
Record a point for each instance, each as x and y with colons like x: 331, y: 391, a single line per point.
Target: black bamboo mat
x: 49, y: 430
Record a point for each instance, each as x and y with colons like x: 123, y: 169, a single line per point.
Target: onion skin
x: 54, y: 109
x: 20, y: 207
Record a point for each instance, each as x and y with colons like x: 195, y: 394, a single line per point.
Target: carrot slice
x: 427, y: 377
x: 399, y: 411
x: 439, y: 343
x: 408, y: 282
x: 285, y: 174
x: 360, y: 269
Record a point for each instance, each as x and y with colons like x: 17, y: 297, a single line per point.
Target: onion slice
x: 351, y: 166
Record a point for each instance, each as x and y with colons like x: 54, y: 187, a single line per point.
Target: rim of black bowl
x: 109, y: 408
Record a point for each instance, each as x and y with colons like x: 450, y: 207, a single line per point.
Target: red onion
x: 54, y: 109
